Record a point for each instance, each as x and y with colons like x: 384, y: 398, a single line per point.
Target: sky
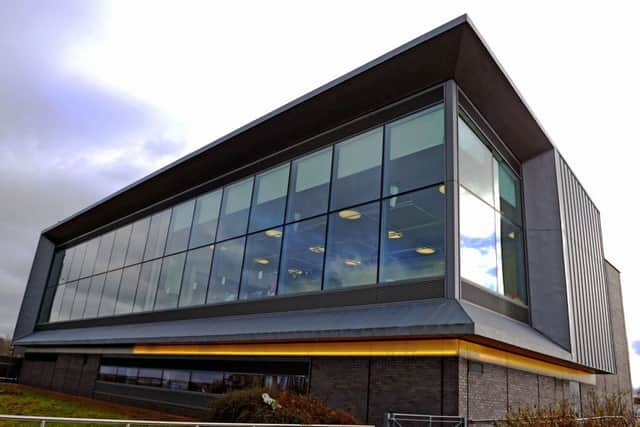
x: 95, y: 95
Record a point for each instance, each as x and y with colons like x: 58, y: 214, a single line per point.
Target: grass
x: 20, y: 400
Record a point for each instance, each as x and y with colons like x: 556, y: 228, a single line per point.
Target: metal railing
x: 396, y: 419
x: 553, y: 421
x: 128, y: 423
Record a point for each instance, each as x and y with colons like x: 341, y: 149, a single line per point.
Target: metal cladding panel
x: 585, y: 268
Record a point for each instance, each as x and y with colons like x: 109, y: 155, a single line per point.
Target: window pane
x: 151, y: 377
x: 157, y: 235
x: 477, y: 241
x: 476, y: 163
x: 138, y: 241
x: 147, y: 286
x: 179, y: 228
x: 235, y: 209
x: 175, y: 379
x: 260, y: 274
x: 237, y: 381
x: 107, y: 373
x: 90, y: 257
x: 80, y: 299
x: 512, y: 259
x: 207, y: 381
x: 205, y: 220
x: 356, y: 170
x: 509, y: 194
x: 76, y: 263
x: 110, y: 293
x: 225, y: 272
x: 120, y: 247
x: 104, y: 252
x: 269, y: 198
x: 414, y: 151
x: 303, y: 256
x: 196, y: 277
x: 67, y: 301
x: 169, y: 284
x: 66, y: 265
x: 352, y: 247
x: 413, y: 236
x: 54, y: 314
x: 309, y: 188
x: 127, y: 291
x: 93, y: 299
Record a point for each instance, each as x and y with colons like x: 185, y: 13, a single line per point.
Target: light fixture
x: 350, y: 214
x: 295, y: 272
x: 512, y: 235
x: 392, y: 234
x: 317, y: 249
x: 262, y: 261
x: 273, y: 233
x: 442, y: 189
x: 352, y: 262
x: 425, y: 250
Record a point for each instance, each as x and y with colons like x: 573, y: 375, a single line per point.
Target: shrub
x: 247, y: 406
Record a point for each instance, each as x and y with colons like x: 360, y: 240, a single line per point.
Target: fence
x: 395, y: 419
x: 9, y: 368
x: 129, y: 423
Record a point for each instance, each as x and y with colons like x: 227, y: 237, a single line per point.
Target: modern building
x: 404, y: 238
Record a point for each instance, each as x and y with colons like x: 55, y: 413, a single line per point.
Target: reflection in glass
x: 147, y: 286
x: 120, y: 247
x: 110, y: 293
x: 67, y: 301
x: 175, y: 379
x: 207, y: 381
x: 179, y: 227
x: 478, y: 262
x: 107, y: 373
x: 413, y: 236
x: 137, y: 241
x: 76, y: 263
x: 157, y: 235
x: 356, y: 170
x: 269, y: 198
x: 93, y: 299
x: 226, y: 270
x: 352, y: 247
x: 127, y: 292
x: 476, y: 163
x: 302, y: 256
x: 260, y: 273
x: 151, y: 377
x: 54, y: 314
x: 309, y: 188
x: 235, y: 209
x: 80, y: 299
x: 512, y: 260
x: 169, y: 283
x: 104, y: 252
x: 509, y: 187
x: 414, y: 152
x: 205, y: 219
x: 90, y: 257
x: 66, y: 265
x: 196, y: 277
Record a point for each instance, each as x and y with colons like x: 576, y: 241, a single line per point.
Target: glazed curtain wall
x: 367, y: 210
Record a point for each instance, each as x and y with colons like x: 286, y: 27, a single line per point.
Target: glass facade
x: 491, y: 237
x: 201, y: 381
x: 367, y: 210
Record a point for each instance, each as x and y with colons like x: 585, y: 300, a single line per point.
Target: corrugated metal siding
x: 584, y: 258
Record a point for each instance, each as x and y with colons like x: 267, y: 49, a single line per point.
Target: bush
x: 247, y: 406
x: 599, y: 411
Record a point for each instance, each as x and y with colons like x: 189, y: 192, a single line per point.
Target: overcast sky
x: 94, y: 95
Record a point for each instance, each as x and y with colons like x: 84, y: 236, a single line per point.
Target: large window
x: 368, y: 209
x: 491, y: 239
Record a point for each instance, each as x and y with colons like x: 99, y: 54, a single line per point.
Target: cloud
x: 65, y: 140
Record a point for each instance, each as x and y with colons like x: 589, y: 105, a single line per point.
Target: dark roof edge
x: 462, y: 19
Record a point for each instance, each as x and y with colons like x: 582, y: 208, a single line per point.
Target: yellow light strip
x: 404, y: 348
